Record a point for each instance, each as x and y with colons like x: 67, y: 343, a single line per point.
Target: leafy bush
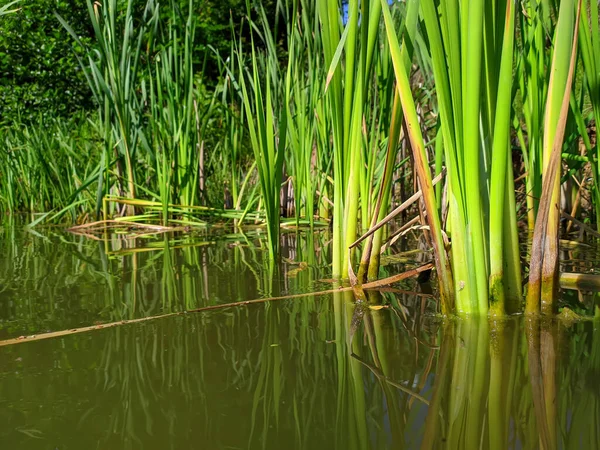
x: 39, y: 71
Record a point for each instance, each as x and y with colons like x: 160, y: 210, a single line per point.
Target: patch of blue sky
x: 345, y: 8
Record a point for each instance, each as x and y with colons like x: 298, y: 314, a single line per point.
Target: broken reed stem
x: 580, y: 281
x: 579, y: 223
x: 413, y: 198
x: 398, y: 234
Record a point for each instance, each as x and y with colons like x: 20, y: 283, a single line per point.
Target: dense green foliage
x: 39, y: 71
x: 40, y: 75
x: 304, y: 112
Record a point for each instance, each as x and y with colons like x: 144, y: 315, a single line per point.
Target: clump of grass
x: 323, y: 106
x: 45, y: 167
x: 468, y: 95
x: 266, y: 116
x: 475, y: 102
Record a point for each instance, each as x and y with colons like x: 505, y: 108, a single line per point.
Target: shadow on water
x: 319, y: 372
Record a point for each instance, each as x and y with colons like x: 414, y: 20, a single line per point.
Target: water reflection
x: 59, y: 281
x: 318, y: 373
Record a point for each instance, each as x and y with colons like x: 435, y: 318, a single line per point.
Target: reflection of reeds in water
x: 57, y: 281
x: 240, y: 372
x: 579, y: 399
x: 318, y: 373
x: 525, y: 394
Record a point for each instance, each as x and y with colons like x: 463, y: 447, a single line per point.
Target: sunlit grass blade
x: 500, y: 183
x: 442, y: 263
x: 6, y: 8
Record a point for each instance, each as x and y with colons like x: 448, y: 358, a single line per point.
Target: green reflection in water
x: 261, y: 377
x: 59, y: 281
x: 319, y: 372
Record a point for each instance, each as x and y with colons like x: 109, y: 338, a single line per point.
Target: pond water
x: 312, y: 372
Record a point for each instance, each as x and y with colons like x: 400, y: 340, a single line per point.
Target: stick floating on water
x: 372, y: 285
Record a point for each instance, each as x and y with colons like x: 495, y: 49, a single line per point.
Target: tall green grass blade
x: 500, y: 184
x: 442, y: 263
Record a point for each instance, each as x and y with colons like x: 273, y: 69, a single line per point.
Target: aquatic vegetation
x: 543, y: 269
x: 476, y: 159
x: 476, y: 135
x: 402, y: 137
x: 35, y: 160
x: 589, y: 48
x: 266, y: 114
x: 326, y: 115
x: 360, y: 99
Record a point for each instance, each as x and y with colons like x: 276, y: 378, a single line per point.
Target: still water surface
x: 317, y: 372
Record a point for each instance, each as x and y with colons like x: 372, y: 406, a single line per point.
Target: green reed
x: 359, y: 98
x: 114, y: 70
x: 303, y: 96
x: 153, y: 107
x: 544, y: 272
x: 266, y: 116
x: 174, y: 120
x: 589, y: 48
x: 533, y: 87
x: 325, y: 107
x: 475, y: 99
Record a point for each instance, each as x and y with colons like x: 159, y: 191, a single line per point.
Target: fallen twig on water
x: 372, y: 285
